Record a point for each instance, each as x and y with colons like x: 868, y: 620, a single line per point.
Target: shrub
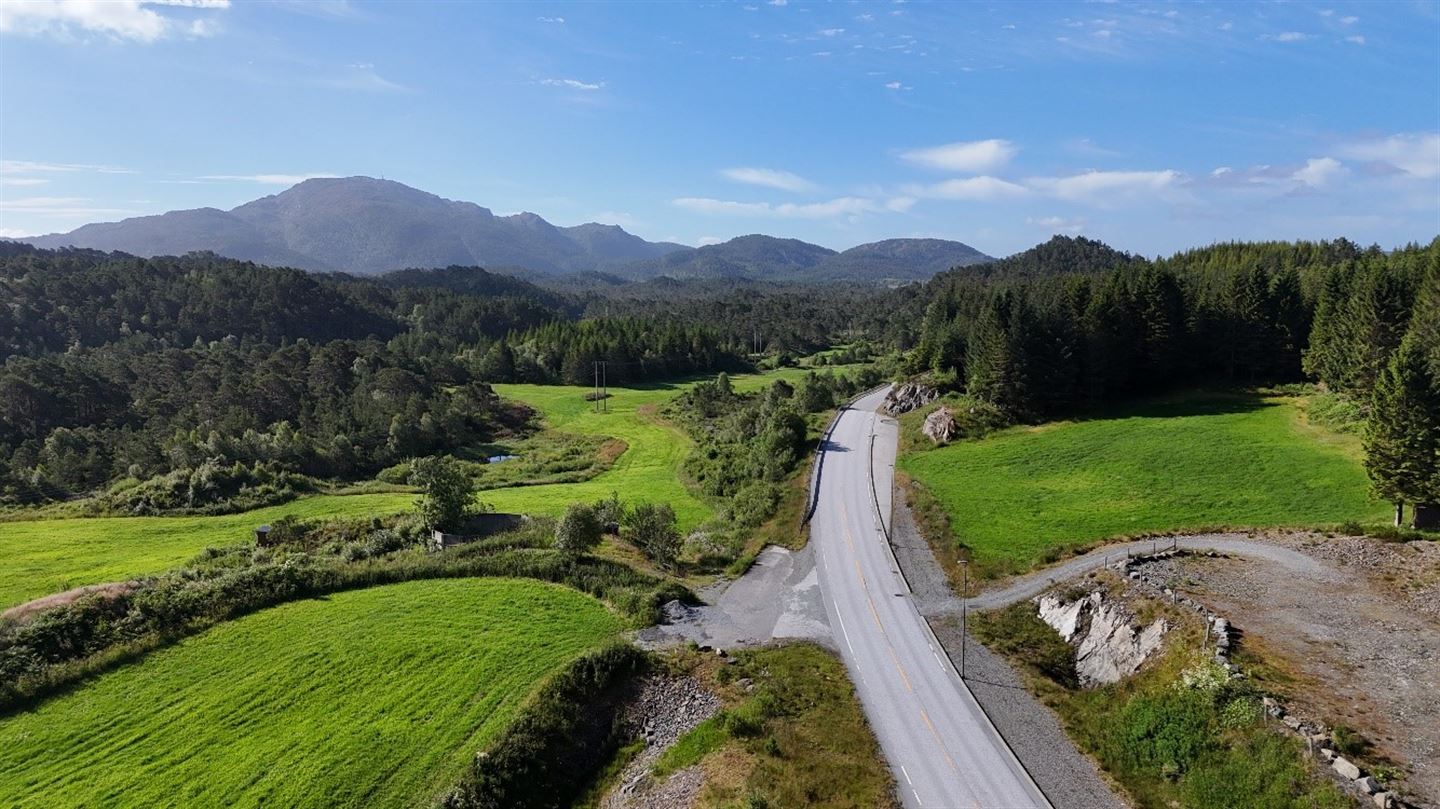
x: 653, y: 531
x: 579, y: 530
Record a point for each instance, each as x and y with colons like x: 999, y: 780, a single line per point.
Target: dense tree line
x: 1231, y: 314
x: 72, y: 422
x: 213, y: 380
x: 633, y: 350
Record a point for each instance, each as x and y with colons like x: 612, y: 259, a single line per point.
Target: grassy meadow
x: 45, y: 556
x: 1189, y: 463
x: 376, y: 697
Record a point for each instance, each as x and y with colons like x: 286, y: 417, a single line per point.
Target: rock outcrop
x: 1109, y: 645
x: 908, y: 396
x: 940, y: 426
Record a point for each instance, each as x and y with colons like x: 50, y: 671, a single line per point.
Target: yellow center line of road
x: 939, y: 743
x: 899, y: 668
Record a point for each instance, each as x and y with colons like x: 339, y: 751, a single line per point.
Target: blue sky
x: 1153, y: 126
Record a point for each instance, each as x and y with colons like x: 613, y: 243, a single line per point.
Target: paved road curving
x: 943, y: 749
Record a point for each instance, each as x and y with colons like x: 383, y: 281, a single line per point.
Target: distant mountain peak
x: 366, y: 225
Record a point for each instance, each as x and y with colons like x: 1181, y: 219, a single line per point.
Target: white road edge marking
x: 907, y: 774
x: 917, y: 797
x: 841, y: 618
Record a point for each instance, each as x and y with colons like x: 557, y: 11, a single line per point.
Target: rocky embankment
x: 664, y: 709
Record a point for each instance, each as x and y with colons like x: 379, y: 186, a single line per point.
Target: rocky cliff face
x: 1109, y: 643
x: 908, y: 396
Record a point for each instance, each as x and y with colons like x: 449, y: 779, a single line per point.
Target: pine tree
x: 1402, y: 435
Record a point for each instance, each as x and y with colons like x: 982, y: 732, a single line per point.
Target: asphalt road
x: 942, y: 748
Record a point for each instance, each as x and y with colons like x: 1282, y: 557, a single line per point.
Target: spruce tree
x: 1402, y: 435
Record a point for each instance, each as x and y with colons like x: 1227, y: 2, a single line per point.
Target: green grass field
x: 374, y: 697
x: 1200, y: 461
x: 45, y: 556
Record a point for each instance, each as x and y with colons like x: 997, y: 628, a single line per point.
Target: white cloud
x: 1318, y: 171
x: 361, y: 76
x: 830, y: 32
x: 706, y: 240
x: 779, y: 2
x: 1286, y: 36
x: 1097, y: 185
x: 32, y: 167
x: 769, y: 178
x: 57, y: 206
x: 1356, y: 40
x: 22, y: 181
x: 1349, y: 20
x: 1227, y: 25
x: 134, y: 20
x: 574, y: 84
x: 971, y: 156
x: 892, y: 85
x: 1057, y: 224
x: 264, y: 179
x: 969, y: 188
x: 899, y: 204
x: 838, y: 207
x: 1415, y: 154
x: 552, y: 20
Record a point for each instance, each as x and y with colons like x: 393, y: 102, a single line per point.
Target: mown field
x: 1194, y: 462
x: 376, y: 697
x: 50, y: 555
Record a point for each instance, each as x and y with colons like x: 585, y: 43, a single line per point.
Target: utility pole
x: 964, y: 611
x: 605, y: 386
x: 597, y: 387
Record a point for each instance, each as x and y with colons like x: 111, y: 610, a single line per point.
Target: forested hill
x: 766, y: 258
x: 59, y: 300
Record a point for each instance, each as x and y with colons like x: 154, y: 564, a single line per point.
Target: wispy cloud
x: 32, y: 167
x: 982, y: 188
x: 22, y: 181
x: 830, y: 209
x: 1416, y: 154
x: 1057, y: 224
x: 1096, y: 186
x: 72, y: 207
x: 132, y: 20
x: 966, y: 156
x: 573, y: 84
x: 1286, y: 36
x: 551, y: 20
x: 264, y: 179
x: 769, y: 178
x: 363, y: 77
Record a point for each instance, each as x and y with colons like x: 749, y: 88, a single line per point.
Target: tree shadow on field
x: 1187, y: 403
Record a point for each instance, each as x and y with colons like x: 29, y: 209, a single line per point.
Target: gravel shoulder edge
x: 1067, y: 776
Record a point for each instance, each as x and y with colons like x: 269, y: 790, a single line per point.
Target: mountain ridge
x: 369, y: 226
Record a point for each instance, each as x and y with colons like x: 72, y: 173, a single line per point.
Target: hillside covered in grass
x: 1187, y: 463
x: 373, y: 697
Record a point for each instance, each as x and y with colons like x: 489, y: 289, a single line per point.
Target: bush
x: 653, y: 531
x: 210, y: 488
x: 579, y: 530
